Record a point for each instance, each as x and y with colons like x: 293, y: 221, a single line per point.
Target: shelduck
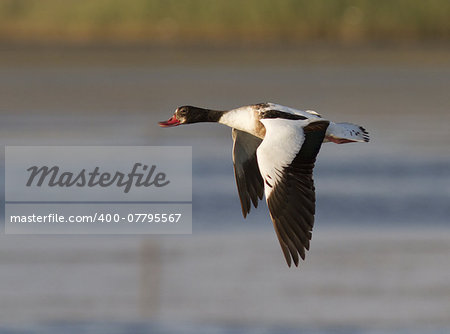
x: 274, y: 152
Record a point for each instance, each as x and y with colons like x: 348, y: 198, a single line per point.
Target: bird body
x: 274, y: 152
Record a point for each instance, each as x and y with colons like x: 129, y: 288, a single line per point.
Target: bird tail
x: 341, y: 133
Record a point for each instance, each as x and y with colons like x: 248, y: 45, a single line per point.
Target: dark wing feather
x: 246, y: 171
x: 292, y: 200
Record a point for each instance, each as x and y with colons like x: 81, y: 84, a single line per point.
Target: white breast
x: 244, y: 119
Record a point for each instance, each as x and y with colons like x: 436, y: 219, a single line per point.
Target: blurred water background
x: 379, y: 261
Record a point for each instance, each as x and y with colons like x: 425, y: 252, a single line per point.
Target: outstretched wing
x: 286, y: 160
x: 246, y: 171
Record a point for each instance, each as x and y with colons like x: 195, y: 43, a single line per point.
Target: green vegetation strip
x: 224, y: 20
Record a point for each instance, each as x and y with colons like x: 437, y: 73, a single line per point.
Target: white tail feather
x: 341, y: 133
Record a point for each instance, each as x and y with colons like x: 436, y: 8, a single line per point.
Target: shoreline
x: 55, y: 54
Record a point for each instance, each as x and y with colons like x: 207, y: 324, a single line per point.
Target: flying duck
x: 274, y: 152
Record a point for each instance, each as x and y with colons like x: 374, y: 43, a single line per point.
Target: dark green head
x: 190, y: 114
